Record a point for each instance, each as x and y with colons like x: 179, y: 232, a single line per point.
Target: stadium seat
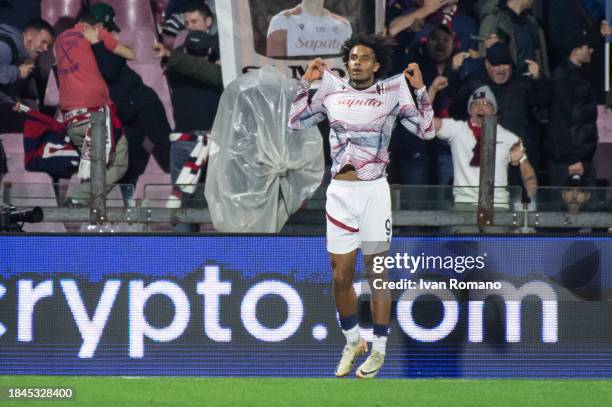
x: 138, y: 30
x: 13, y: 146
x: 113, y: 198
x: 29, y: 189
x: 604, y: 148
x: 153, y: 185
x: 53, y: 10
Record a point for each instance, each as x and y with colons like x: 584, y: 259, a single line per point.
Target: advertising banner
x: 263, y: 305
x: 289, y: 34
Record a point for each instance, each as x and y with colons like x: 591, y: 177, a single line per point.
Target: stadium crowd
x: 541, y: 64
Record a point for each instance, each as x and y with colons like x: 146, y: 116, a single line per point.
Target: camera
x: 12, y: 219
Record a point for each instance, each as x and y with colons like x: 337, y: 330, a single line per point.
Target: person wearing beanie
x: 575, y: 193
x: 464, y: 138
x: 573, y: 126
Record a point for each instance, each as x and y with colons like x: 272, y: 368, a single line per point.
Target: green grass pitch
x: 171, y: 391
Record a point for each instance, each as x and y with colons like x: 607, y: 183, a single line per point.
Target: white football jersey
x: 361, y: 121
x: 309, y: 35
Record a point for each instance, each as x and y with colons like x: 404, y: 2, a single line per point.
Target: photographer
x: 194, y: 76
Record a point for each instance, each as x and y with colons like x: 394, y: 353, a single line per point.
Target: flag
x: 47, y: 146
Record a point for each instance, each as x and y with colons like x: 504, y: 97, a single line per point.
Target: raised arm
x: 405, y: 21
x: 94, y: 34
x: 305, y: 113
x: 416, y: 118
x: 518, y: 157
x: 124, y: 51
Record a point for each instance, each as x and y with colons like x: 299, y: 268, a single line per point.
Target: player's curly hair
x: 382, y: 46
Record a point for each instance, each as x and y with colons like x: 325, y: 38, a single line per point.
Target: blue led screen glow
x: 252, y: 305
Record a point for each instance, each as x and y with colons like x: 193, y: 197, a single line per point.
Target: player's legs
x: 343, y: 266
x: 375, y: 230
x: 342, y: 244
x: 380, y: 304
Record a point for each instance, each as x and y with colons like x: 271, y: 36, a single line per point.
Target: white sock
x: 379, y: 344
x: 352, y: 335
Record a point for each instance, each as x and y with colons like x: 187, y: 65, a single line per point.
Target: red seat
x: 53, y: 10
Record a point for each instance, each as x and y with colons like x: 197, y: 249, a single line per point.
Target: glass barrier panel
x: 174, y: 196
x: 574, y: 199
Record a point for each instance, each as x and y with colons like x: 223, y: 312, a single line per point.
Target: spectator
x: 141, y: 112
x: 575, y: 193
x: 421, y: 162
x: 511, y: 21
x: 186, y: 15
x: 194, y: 75
x: 18, y: 53
x: 417, y: 19
x: 518, y: 96
x: 82, y: 91
x: 464, y: 140
x: 573, y: 128
x: 577, y: 16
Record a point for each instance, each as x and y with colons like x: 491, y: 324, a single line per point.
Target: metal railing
x: 413, y: 206
x: 419, y: 206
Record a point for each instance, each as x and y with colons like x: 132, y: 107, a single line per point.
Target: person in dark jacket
x: 422, y: 162
x: 512, y: 22
x: 573, y: 127
x: 194, y: 76
x: 518, y: 96
x: 141, y: 112
x: 574, y: 16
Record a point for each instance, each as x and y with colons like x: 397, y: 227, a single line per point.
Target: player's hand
x: 576, y: 168
x: 517, y: 151
x: 25, y: 69
x: 413, y: 74
x: 431, y: 6
x: 160, y: 50
x: 458, y: 60
x: 315, y: 70
x: 92, y: 33
x: 533, y: 69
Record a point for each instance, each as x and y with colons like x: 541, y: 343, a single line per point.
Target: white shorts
x: 358, y: 215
